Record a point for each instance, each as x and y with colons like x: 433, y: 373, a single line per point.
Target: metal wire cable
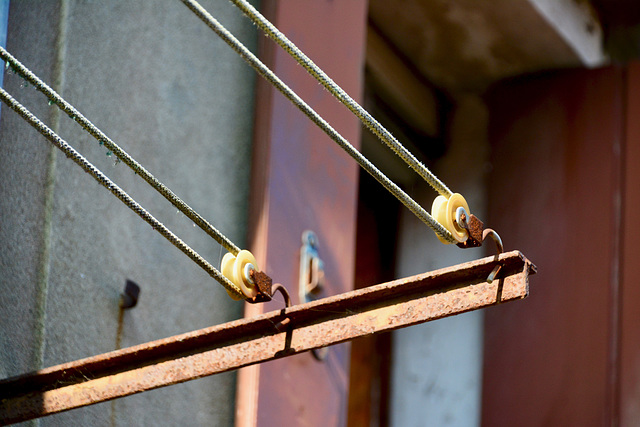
x: 73, y: 113
x: 117, y: 191
x: 367, y: 119
x: 265, y: 72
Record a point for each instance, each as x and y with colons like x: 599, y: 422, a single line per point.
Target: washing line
x: 367, y: 119
x: 239, y: 272
x: 232, y: 287
x: 272, y: 78
x: 74, y: 114
x: 70, y: 152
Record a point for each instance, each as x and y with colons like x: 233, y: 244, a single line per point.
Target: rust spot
x: 264, y: 284
x: 476, y: 227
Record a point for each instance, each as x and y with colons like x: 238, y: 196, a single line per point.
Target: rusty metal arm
x: 232, y: 345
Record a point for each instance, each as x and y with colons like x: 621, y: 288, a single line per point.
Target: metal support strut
x: 280, y: 333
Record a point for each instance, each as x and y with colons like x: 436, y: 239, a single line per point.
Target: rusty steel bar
x: 243, y: 342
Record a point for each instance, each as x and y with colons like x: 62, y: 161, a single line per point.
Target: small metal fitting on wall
x: 129, y: 297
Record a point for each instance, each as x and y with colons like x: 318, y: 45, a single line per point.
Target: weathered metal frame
x: 281, y: 333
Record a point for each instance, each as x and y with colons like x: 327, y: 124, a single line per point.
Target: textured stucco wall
x: 165, y: 88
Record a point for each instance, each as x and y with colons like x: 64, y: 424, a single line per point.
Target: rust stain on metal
x: 263, y: 282
x: 244, y: 342
x: 264, y: 285
x: 475, y: 229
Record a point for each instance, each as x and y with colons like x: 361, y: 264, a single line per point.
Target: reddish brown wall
x: 629, y: 368
x: 303, y: 180
x: 555, y: 194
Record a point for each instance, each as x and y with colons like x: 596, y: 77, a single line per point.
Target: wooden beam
x: 273, y: 335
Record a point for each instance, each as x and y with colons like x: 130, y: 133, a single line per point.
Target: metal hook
x: 265, y: 286
x: 488, y: 232
x: 283, y: 291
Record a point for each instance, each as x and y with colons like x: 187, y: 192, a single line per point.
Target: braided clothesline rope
x: 74, y: 114
x: 270, y: 76
x: 367, y: 119
x: 117, y: 191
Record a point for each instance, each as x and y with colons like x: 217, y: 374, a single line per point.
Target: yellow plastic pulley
x: 226, y: 268
x: 439, y: 213
x: 444, y: 210
x: 236, y: 269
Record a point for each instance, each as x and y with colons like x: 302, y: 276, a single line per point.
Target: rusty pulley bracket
x: 477, y: 235
x: 263, y: 284
x: 266, y: 289
x: 252, y: 285
x: 474, y: 227
x: 466, y: 229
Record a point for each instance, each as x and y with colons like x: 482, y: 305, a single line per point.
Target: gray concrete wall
x: 166, y: 89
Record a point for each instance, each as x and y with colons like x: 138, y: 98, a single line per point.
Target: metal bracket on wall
x: 280, y: 333
x: 311, y: 281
